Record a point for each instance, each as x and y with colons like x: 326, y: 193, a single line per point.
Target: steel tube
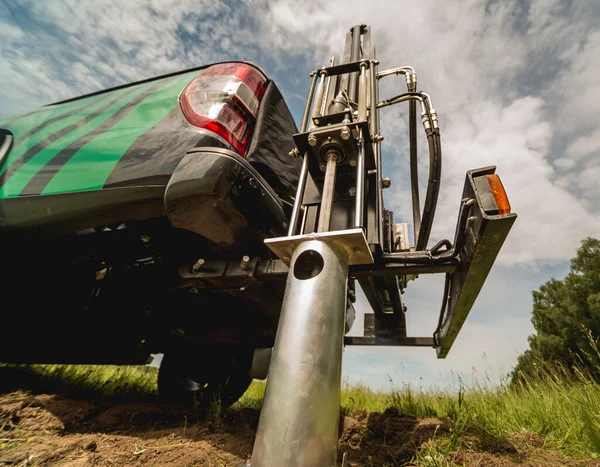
x: 299, y: 420
x: 299, y: 196
x: 318, y: 100
x: 328, y: 192
x: 306, y: 114
x: 304, y: 169
x: 359, y: 206
x: 373, y: 96
x: 362, y: 94
x: 354, y: 56
x: 378, y: 158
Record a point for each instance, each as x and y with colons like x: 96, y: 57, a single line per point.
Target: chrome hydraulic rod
x: 317, y: 105
x: 354, y: 56
x: 328, y: 191
x: 304, y: 169
x: 360, y: 166
x: 374, y: 116
x: 359, y: 206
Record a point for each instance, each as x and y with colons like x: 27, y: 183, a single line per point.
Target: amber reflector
x: 499, y: 193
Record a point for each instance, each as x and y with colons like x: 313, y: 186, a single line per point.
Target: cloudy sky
x: 515, y: 83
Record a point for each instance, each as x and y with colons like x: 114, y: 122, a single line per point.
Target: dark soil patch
x: 51, y: 430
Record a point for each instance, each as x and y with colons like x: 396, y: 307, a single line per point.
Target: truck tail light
x: 224, y: 99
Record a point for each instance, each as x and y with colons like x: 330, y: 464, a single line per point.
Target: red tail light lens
x: 224, y: 99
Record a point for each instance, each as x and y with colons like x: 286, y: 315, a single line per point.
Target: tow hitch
x: 340, y: 232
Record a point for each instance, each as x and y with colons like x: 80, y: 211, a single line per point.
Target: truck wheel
x: 217, y: 375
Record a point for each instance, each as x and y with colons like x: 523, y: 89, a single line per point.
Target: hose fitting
x: 434, y: 119
x: 425, y: 120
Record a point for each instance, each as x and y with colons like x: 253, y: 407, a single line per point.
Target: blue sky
x: 515, y: 84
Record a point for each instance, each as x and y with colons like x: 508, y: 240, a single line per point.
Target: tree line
x: 566, y: 318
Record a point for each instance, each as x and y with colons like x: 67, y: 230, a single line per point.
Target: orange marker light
x: 499, y: 193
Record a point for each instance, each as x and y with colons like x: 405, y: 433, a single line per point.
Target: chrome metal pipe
x: 318, y: 100
x: 304, y: 169
x: 299, y: 195
x: 374, y: 128
x: 359, y: 206
x: 328, y: 192
x: 362, y: 93
x: 354, y: 57
x: 401, y: 70
x: 299, y: 421
x: 373, y: 99
x: 404, y: 98
x: 311, y: 92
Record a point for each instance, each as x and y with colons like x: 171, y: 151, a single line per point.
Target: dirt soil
x: 51, y: 430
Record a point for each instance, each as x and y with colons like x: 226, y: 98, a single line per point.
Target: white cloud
x: 585, y: 146
x: 470, y: 58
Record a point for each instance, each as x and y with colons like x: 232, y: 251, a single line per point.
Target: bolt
x: 312, y: 140
x: 378, y: 138
x: 352, y: 162
x: 386, y: 182
x: 245, y: 262
x: 322, y: 167
x: 294, y: 152
x: 198, y: 264
x: 356, y: 250
x: 345, y: 133
x: 316, y: 121
x: 145, y: 239
x: 101, y: 274
x: 352, y: 191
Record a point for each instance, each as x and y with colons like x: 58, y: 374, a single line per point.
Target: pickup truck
x: 111, y: 202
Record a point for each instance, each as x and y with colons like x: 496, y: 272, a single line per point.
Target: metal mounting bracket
x: 352, y: 241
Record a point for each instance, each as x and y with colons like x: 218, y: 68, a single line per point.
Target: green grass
x: 561, y: 409
x: 82, y: 381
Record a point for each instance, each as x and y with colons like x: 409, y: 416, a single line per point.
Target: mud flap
x: 484, y: 238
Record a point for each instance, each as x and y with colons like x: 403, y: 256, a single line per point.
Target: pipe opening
x: 309, y: 264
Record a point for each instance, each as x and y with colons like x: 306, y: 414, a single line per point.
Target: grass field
x: 555, y: 411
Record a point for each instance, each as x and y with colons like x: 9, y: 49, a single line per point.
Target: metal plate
x: 351, y: 240
x: 485, y: 237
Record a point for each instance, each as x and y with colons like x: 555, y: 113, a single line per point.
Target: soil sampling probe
x: 340, y: 232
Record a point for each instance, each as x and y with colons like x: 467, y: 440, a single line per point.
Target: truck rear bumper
x: 220, y: 196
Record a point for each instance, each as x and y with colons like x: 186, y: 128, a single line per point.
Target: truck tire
x: 216, y: 375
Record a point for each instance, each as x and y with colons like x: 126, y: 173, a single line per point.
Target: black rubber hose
x: 430, y: 257
x: 433, y: 188
x: 414, y: 168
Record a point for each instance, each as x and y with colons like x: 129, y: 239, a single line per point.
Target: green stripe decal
x: 89, y: 168
x: 24, y: 124
x: 46, y: 132
x: 21, y: 177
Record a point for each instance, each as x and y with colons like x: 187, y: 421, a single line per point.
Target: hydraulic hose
x: 433, y: 188
x: 414, y: 167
